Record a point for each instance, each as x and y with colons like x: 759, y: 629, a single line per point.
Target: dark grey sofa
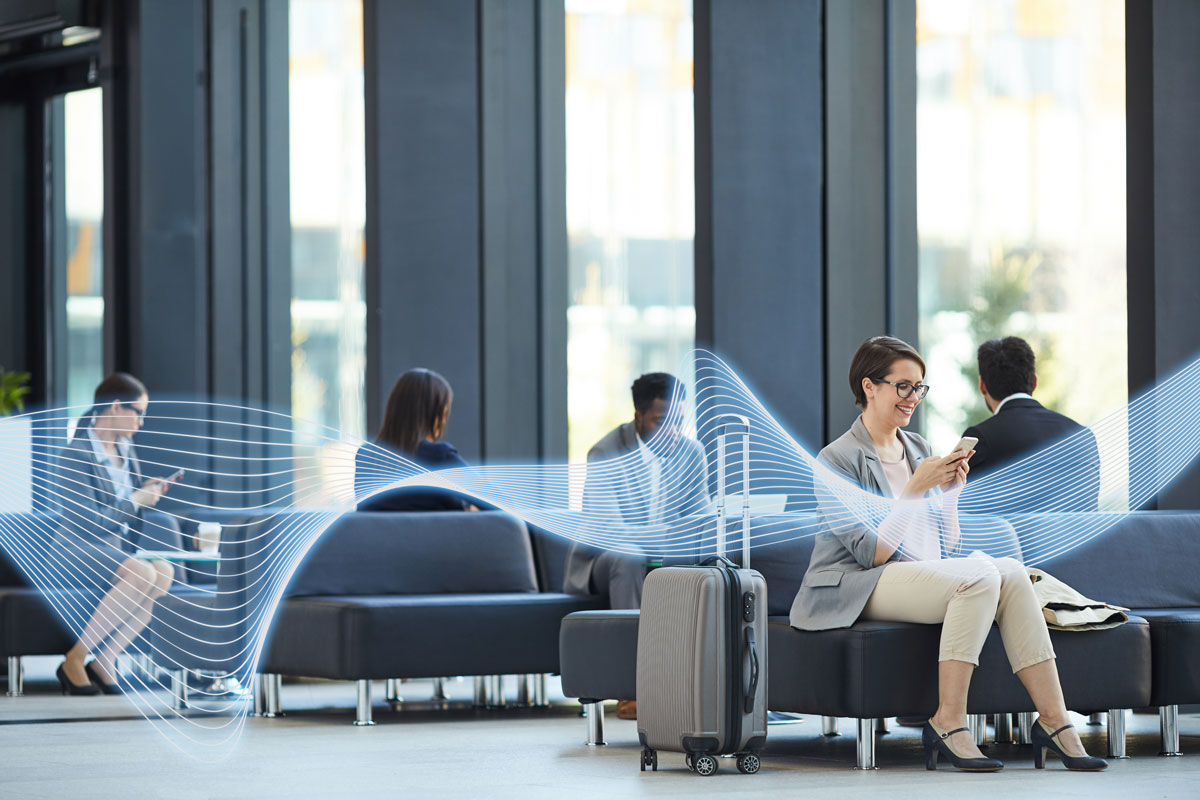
x: 388, y: 595
x: 879, y: 669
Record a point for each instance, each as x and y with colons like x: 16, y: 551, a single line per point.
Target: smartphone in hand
x: 966, y: 443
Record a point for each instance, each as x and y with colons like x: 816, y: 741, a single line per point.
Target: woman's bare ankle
x: 948, y: 722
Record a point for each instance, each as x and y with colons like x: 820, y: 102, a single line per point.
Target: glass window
x: 328, y: 211
x: 328, y: 186
x: 83, y: 254
x: 1021, y: 201
x: 630, y: 204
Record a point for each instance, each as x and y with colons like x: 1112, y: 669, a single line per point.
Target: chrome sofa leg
x: 594, y: 712
x: 1168, y: 727
x: 257, y: 689
x: 1096, y: 719
x: 977, y: 724
x: 540, y: 698
x: 1116, y: 733
x: 439, y: 690
x: 392, y: 691
x: 881, y: 725
x: 495, y: 691
x: 1025, y: 727
x: 16, y: 677
x: 866, y: 744
x: 481, y: 692
x: 273, y: 684
x: 362, y: 714
x: 1004, y: 733
x: 524, y: 690
x: 179, y: 689
x: 829, y: 726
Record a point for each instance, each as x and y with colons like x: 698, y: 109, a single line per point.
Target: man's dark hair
x: 874, y: 359
x: 1006, y: 366
x: 654, y: 386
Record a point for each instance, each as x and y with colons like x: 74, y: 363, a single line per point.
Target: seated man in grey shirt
x: 667, y: 481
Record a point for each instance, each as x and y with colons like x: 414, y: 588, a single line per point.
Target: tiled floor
x: 98, y: 747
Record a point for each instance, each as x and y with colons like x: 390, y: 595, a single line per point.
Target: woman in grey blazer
x: 103, y: 498
x: 907, y: 568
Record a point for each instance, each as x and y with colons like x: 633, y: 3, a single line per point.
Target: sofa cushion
x: 874, y: 669
x: 598, y: 654
x: 1175, y: 660
x: 381, y: 553
x: 1142, y: 561
x: 415, y: 636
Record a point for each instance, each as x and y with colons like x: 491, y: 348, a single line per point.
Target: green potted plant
x: 13, y: 388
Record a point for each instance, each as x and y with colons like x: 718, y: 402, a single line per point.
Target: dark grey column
x: 14, y: 344
x: 551, y: 131
x: 250, y: 261
x: 466, y: 236
x: 509, y: 96
x: 156, y: 316
x: 870, y: 185
x: 759, y: 282
x: 1163, y: 136
x: 423, y: 204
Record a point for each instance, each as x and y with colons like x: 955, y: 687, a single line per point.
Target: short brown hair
x: 874, y: 360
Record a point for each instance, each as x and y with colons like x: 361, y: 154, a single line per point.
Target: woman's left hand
x: 960, y: 475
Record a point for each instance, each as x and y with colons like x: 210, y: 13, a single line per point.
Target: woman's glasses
x: 905, y: 389
x: 141, y: 412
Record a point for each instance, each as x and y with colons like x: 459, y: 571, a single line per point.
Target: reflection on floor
x: 96, y: 747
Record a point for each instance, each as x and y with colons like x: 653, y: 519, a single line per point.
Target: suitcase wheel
x: 704, y: 765
x: 649, y: 759
x: 748, y: 763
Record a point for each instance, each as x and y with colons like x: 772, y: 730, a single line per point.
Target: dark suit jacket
x: 432, y: 456
x: 1064, y: 478
x: 87, y: 498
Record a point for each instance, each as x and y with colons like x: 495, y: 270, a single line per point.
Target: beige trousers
x: 966, y: 595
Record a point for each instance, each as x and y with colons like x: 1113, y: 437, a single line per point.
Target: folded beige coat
x: 1067, y: 610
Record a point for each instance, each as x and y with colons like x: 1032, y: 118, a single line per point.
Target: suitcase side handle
x: 752, y: 691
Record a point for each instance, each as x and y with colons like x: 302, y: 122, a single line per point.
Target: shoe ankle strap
x: 1060, y: 730
x: 948, y: 734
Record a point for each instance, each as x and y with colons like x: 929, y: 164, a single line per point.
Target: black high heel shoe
x: 1043, y: 740
x: 98, y: 682
x: 935, y: 744
x: 70, y: 688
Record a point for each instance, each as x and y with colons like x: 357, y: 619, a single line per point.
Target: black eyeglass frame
x: 922, y: 389
x: 141, y: 412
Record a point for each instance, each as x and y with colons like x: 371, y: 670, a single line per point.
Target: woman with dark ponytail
x: 103, y: 497
x: 416, y: 416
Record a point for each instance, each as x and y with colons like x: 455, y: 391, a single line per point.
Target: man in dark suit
x: 1065, y: 473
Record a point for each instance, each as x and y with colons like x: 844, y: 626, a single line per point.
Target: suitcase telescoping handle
x: 752, y: 690
x: 730, y: 425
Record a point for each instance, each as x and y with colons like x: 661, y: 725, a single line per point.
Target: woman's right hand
x: 150, y: 493
x: 933, y: 473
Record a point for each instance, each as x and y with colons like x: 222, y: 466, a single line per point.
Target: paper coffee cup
x: 208, y: 535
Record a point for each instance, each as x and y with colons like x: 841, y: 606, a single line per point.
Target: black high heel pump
x: 70, y: 688
x: 98, y: 682
x: 1043, y: 740
x: 935, y: 744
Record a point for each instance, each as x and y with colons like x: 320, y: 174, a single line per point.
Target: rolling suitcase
x: 702, y: 651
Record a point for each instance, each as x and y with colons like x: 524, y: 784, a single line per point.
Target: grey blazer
x: 625, y: 497
x: 841, y: 574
